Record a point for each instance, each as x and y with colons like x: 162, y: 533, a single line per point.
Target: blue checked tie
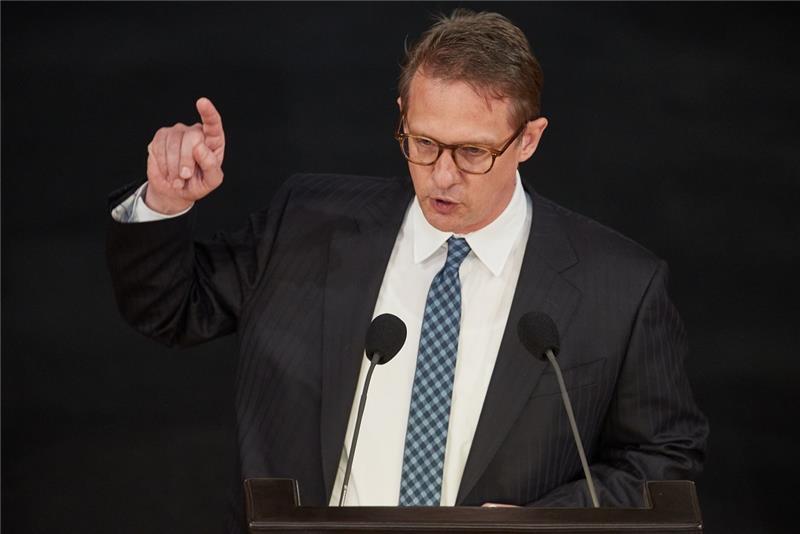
x: 429, y: 412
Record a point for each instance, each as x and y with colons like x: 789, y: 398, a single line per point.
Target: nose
x: 445, y: 172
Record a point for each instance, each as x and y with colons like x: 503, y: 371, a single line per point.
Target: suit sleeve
x: 180, y: 291
x: 653, y: 430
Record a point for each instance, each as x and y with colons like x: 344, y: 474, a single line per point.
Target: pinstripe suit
x: 299, y: 281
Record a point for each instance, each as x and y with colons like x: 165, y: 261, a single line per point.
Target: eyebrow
x: 479, y: 141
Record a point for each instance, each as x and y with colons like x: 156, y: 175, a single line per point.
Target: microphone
x: 539, y: 335
x: 385, y: 337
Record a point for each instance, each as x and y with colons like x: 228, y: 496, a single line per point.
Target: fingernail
x: 186, y: 172
x: 177, y: 184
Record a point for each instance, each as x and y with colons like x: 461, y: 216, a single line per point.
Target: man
x: 463, y: 414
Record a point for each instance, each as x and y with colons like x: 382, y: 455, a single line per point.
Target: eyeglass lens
x: 424, y: 151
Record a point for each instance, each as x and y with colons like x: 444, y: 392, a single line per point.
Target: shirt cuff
x: 134, y: 210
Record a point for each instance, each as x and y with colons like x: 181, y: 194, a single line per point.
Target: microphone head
x: 538, y: 332
x: 385, y: 338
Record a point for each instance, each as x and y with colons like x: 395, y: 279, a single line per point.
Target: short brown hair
x: 485, y: 50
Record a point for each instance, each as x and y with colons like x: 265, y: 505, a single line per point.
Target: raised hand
x: 184, y: 163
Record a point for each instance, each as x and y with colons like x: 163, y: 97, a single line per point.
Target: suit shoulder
x: 333, y: 197
x: 330, y: 188
x: 595, y: 242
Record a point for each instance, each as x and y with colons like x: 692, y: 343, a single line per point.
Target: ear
x: 400, y: 104
x: 530, y: 138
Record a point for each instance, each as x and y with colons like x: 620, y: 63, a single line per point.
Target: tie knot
x: 457, y: 250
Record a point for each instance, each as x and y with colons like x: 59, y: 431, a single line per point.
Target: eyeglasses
x: 472, y: 159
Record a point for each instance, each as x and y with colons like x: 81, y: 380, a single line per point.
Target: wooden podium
x: 273, y: 505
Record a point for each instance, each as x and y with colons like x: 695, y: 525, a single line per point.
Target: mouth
x: 443, y: 206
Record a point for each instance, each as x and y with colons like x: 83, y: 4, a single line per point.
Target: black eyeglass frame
x: 401, y: 136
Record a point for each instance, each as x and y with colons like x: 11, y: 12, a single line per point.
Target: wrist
x: 162, y: 205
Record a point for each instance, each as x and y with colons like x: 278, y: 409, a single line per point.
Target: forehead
x: 454, y: 111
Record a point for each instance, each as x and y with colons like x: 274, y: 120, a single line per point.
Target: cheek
x: 490, y: 193
x: 420, y: 178
x: 480, y: 190
x: 483, y: 198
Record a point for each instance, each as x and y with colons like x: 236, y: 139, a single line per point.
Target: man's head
x: 470, y: 79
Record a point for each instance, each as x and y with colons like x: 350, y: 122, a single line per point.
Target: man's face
x: 452, y: 112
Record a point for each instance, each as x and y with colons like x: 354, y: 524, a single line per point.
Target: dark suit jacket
x: 299, y: 281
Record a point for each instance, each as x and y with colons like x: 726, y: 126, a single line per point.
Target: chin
x: 444, y: 223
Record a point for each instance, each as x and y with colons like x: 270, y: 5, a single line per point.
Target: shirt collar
x: 492, y: 244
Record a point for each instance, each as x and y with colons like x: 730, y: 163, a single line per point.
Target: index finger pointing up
x: 212, y: 121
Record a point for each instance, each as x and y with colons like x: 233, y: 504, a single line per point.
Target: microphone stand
x: 361, y: 404
x: 571, y: 416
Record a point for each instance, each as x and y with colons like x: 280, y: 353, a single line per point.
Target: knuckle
x: 174, y: 141
x: 194, y: 136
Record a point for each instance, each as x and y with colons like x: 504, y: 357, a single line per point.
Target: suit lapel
x: 359, y: 251
x: 542, y: 288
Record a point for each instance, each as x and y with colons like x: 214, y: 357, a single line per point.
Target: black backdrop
x: 673, y: 123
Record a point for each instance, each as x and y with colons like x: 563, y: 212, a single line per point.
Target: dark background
x: 674, y: 123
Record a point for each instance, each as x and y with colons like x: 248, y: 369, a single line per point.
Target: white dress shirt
x: 488, y: 280
x: 134, y: 210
